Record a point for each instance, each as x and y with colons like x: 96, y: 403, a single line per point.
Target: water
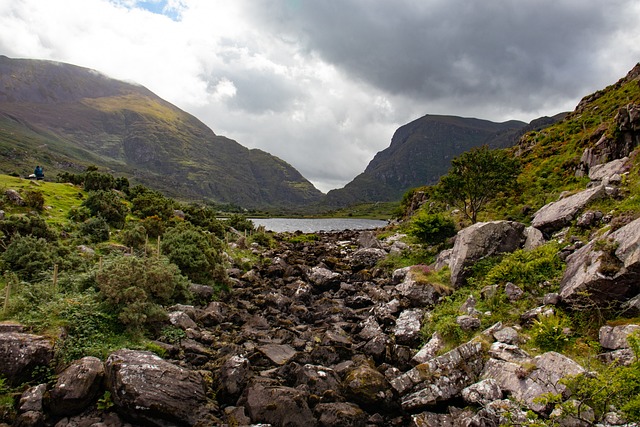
x: 312, y: 225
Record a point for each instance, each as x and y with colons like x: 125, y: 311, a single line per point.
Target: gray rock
x: 214, y: 314
x: 20, y: 353
x: 277, y: 405
x: 526, y: 385
x: 551, y: 299
x: 367, y: 257
x: 234, y: 375
x: 482, y: 392
x: 481, y: 240
x: 202, y: 293
x: 407, y: 329
x: 508, y: 353
x: 604, y: 172
x: 77, y: 387
x: 441, y: 378
x: 418, y: 294
x: 580, y: 415
x: 533, y: 238
x: 615, y: 337
x: 622, y: 357
x: 323, y: 278
x: 429, y: 350
x: 14, y: 197
x: 340, y: 414
x: 319, y: 381
x: 443, y: 259
x: 507, y: 335
x: 555, y: 215
x: 146, y: 388
x: 468, y: 323
x: 514, y: 293
x: 469, y: 306
x: 32, y: 399
x: 278, y: 353
x: 589, y: 219
x: 367, y: 387
x: 367, y: 239
x: 182, y: 320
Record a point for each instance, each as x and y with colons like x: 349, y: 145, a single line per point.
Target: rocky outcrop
x: 21, y: 353
x: 77, y: 387
x: 606, y: 270
x: 481, y: 240
x: 555, y: 215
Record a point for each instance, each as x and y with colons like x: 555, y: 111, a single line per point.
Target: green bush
x: 33, y: 199
x: 134, y: 235
x: 196, y: 254
x: 432, y: 228
x: 137, y: 287
x: 97, y: 181
x: 548, y: 333
x: 205, y: 218
x: 151, y: 203
x: 95, y: 229
x: 29, y: 257
x: 108, y: 205
x: 25, y: 225
x: 240, y: 222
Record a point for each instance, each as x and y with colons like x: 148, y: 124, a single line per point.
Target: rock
x: 468, y: 323
x: 277, y: 353
x: 367, y: 258
x: 533, y: 238
x: 418, y: 293
x: 214, y: 314
x: 508, y: 353
x: 441, y: 378
x: 507, y: 335
x: 622, y: 357
x: 551, y: 299
x: 555, y: 215
x: 541, y: 376
x: 146, y: 388
x: 324, y: 279
x: 77, y: 387
x: 482, y: 392
x: 607, y: 269
x: 367, y: 239
x: 615, y: 338
x: 367, y: 387
x: 236, y: 416
x: 407, y: 330
x: 469, y: 306
x: 181, y: 320
x: 234, y: 375
x: 604, y: 172
x: 14, y: 197
x: 580, y: 415
x: 589, y: 219
x: 201, y: 293
x: 20, y: 353
x: 277, y: 405
x: 430, y: 349
x: 319, y: 380
x: 513, y: 292
x: 340, y: 414
x: 443, y: 259
x: 32, y: 399
x: 481, y: 240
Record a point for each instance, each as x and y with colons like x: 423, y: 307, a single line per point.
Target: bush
x: 431, y: 228
x: 196, y: 254
x: 108, y: 205
x: 96, y: 181
x: 151, y: 203
x: 548, y: 333
x: 29, y: 257
x: 134, y: 235
x: 240, y: 222
x: 137, y: 287
x: 33, y: 199
x: 96, y: 229
x: 25, y: 225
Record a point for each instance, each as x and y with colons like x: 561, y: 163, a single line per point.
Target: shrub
x: 137, y: 287
x: 29, y: 257
x: 134, y: 235
x: 240, y: 222
x: 548, y: 333
x: 33, y: 199
x: 150, y: 203
x: 431, y: 228
x: 96, y: 229
x: 96, y: 181
x: 205, y: 218
x: 25, y: 225
x: 196, y: 254
x: 263, y: 239
x: 108, y: 205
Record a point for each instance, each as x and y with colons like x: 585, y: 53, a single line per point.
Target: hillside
x: 67, y: 117
x: 421, y: 152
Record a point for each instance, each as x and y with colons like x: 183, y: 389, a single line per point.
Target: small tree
x: 476, y: 177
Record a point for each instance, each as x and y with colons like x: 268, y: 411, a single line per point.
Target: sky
x: 323, y: 84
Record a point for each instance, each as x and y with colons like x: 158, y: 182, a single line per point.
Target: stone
x: 507, y: 335
x: 589, y: 219
x: 214, y: 314
x: 151, y: 390
x: 533, y: 238
x: 407, y: 329
x: 324, y: 279
x: 508, y: 353
x: 277, y: 405
x: 234, y: 375
x: 429, y: 350
x: 622, y: 357
x: 14, y: 197
x: 367, y: 239
x: 319, y: 380
x: 340, y: 414
x: 482, y: 392
x: 469, y: 306
x: 481, y: 240
x: 605, y: 171
x: 513, y: 292
x: 555, y: 215
x: 32, y: 399
x: 367, y: 257
x: 77, y: 387
x: 441, y: 378
x: 418, y: 293
x: 20, y: 353
x: 278, y: 353
x: 552, y: 298
x: 615, y: 337
x: 367, y: 387
x: 468, y: 323
x: 181, y: 320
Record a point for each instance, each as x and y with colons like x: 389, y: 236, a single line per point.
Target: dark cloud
x: 480, y: 51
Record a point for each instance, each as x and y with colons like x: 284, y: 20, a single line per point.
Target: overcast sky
x: 323, y: 84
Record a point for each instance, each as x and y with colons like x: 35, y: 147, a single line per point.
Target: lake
x: 312, y: 225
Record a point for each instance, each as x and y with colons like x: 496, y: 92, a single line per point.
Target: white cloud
x: 324, y: 85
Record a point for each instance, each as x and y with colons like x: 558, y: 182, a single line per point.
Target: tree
x: 477, y: 176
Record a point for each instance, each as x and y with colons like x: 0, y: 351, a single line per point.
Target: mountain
x: 66, y: 117
x: 421, y: 152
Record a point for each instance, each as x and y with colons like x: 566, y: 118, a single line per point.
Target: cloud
x: 324, y: 84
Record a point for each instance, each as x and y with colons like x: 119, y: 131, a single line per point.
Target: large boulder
x: 367, y: 387
x: 615, y: 337
x: 481, y: 240
x: 441, y: 378
x: 606, y: 269
x: 555, y: 215
x: 20, y: 353
x: 153, y: 391
x: 277, y: 405
x: 77, y: 387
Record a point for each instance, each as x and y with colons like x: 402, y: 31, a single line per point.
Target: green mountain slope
x: 66, y: 117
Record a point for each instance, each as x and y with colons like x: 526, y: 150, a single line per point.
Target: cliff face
x: 63, y: 117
